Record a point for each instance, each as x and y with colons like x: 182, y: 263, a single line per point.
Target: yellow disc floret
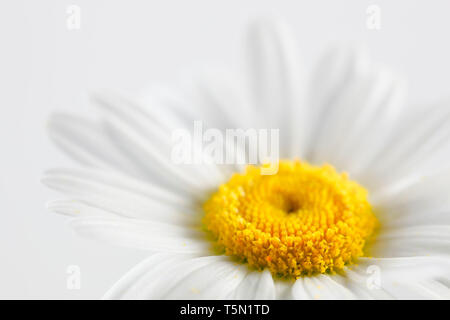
x: 300, y: 221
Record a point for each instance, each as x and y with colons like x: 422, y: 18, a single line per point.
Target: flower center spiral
x: 303, y: 220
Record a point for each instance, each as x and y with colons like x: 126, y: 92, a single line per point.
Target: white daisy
x: 305, y: 232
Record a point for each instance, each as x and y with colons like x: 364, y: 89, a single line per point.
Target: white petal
x: 255, y: 286
x: 372, y: 125
x: 401, y: 278
x: 424, y: 194
x: 216, y: 97
x: 141, y: 133
x: 435, y: 289
x: 396, y: 278
x: 358, y: 282
x: 412, y: 241
x: 283, y: 289
x: 119, y: 181
x: 276, y: 84
x: 415, y: 149
x: 181, y: 277
x: 78, y: 208
x: 299, y: 291
x: 322, y: 287
x: 214, y: 280
x: 87, y: 142
x: 131, y: 284
x: 142, y: 234
x: 121, y: 195
x: 410, y: 265
x: 334, y: 79
x: 359, y: 107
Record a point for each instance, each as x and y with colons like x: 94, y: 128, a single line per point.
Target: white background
x: 126, y: 45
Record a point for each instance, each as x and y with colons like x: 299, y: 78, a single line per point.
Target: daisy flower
x: 359, y: 207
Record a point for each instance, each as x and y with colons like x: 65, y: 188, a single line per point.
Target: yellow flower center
x: 300, y: 221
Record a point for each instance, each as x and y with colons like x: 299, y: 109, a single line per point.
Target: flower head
x: 372, y: 223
